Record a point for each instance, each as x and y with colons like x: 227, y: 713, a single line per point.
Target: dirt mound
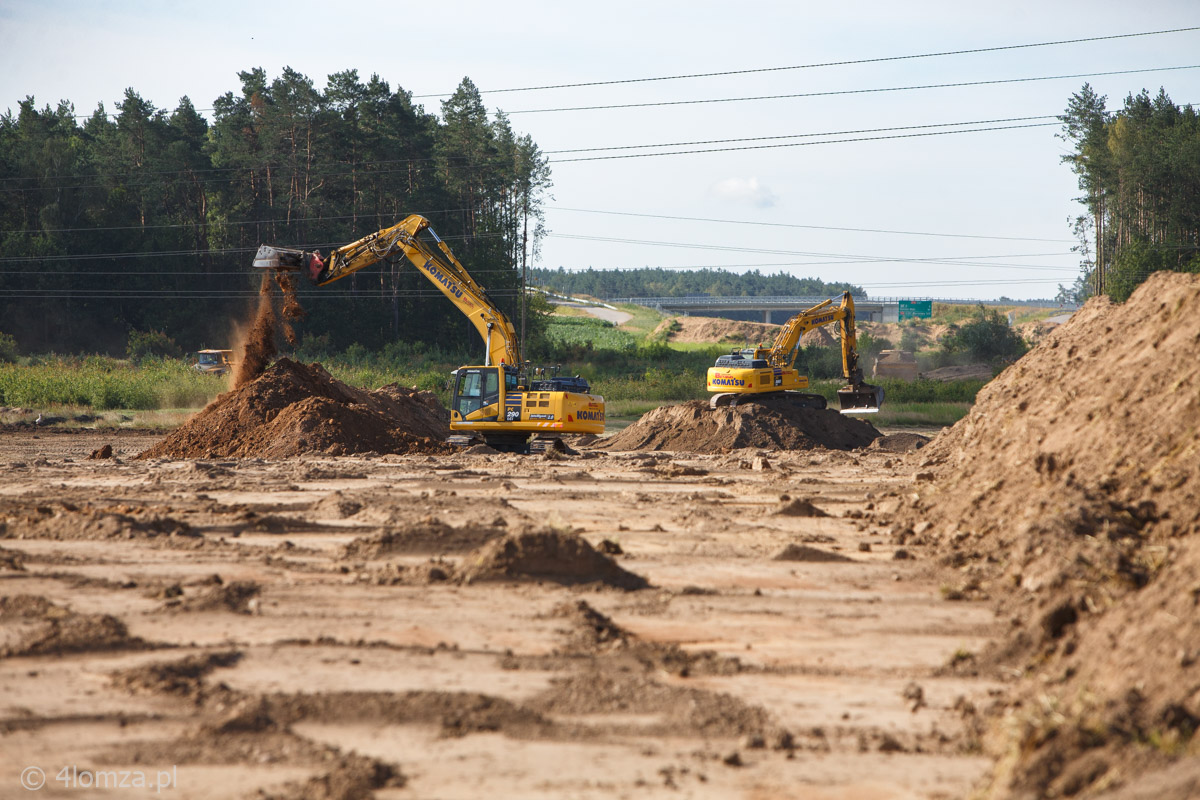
x: 714, y: 329
x: 295, y: 408
x: 183, y: 677
x: 1069, y: 493
x: 430, y: 536
x: 546, y: 555
x: 800, y: 552
x: 66, y: 521
x: 33, y: 626
x: 800, y: 507
x: 238, y: 597
x: 966, y: 372
x: 900, y: 442
x: 696, y: 428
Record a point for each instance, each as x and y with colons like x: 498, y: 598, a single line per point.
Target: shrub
x: 8, y: 349
x: 143, y: 344
x: 987, y: 337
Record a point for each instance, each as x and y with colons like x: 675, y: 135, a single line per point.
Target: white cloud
x: 746, y: 191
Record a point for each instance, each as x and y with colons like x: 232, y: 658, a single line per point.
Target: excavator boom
x: 415, y: 240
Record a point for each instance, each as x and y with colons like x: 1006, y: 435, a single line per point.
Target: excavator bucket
x: 861, y: 398
x: 269, y: 257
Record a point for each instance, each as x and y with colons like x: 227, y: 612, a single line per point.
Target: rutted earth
x: 302, y: 593
x: 475, y: 625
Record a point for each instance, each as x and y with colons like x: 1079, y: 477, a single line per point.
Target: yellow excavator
x: 769, y: 374
x: 500, y: 402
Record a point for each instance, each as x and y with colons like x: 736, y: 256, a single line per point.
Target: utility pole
x: 524, y: 268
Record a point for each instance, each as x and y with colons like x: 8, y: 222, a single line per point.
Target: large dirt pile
x: 295, y: 408
x: 1070, y: 494
x: 696, y: 428
x: 715, y: 329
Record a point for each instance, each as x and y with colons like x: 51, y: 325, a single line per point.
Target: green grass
x: 105, y: 383
x: 645, y: 319
x: 918, y: 415
x: 597, y: 333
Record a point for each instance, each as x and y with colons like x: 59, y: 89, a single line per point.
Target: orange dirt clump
x: 295, y: 408
x: 1069, y: 496
x: 696, y: 428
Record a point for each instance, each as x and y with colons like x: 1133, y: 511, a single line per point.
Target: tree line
x: 1139, y: 170
x: 660, y: 282
x: 148, y: 220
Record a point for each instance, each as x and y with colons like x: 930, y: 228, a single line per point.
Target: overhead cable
x: 851, y: 91
x: 845, y: 63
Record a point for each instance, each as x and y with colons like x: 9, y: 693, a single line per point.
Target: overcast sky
x: 997, y: 203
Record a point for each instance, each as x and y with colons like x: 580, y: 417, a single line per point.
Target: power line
x: 822, y: 64
x: 799, y: 144
x: 843, y: 258
x: 806, y: 227
x: 797, y: 135
x: 849, y: 91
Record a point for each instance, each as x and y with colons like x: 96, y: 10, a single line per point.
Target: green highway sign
x: 916, y: 309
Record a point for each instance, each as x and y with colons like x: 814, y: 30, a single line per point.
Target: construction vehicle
x: 503, y: 402
x: 769, y: 374
x: 213, y: 362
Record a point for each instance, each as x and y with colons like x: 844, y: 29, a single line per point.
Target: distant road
x: 609, y: 315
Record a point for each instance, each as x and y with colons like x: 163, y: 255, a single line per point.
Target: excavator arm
x: 417, y: 241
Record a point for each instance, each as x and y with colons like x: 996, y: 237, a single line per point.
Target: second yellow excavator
x: 498, y: 402
x: 761, y: 373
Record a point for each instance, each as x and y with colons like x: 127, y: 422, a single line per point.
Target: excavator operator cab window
x: 476, y: 388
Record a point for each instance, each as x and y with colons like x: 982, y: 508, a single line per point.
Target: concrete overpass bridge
x: 778, y: 309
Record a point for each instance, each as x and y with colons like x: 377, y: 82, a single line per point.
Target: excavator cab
x: 477, y: 389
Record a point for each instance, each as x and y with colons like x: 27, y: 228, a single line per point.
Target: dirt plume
x: 295, y: 408
x: 254, y: 353
x: 694, y: 427
x: 1069, y: 495
x: 546, y: 555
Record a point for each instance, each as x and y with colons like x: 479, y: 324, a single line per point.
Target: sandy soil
x: 337, y: 627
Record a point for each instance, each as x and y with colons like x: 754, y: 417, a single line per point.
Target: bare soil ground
x: 473, y: 625
x: 1007, y: 611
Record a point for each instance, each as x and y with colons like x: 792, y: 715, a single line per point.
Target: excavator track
x: 790, y: 399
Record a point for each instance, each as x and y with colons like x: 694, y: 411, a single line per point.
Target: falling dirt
x: 696, y: 428
x: 1069, y: 495
x: 294, y: 408
x: 254, y: 353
